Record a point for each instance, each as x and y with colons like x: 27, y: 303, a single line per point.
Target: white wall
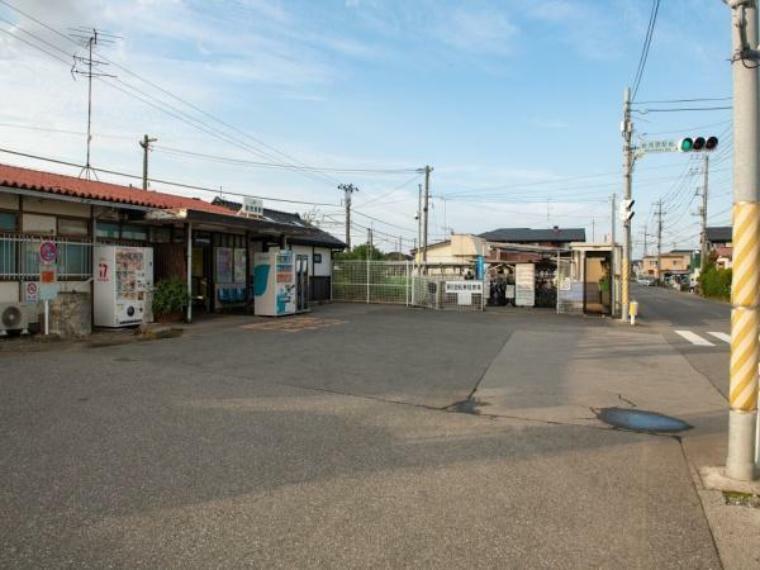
x: 8, y: 291
x: 323, y: 269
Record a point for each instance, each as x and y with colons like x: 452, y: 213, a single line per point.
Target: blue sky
x: 506, y: 100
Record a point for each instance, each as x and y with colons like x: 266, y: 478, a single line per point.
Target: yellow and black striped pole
x: 745, y: 286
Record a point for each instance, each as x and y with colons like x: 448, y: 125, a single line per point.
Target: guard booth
x: 589, y: 280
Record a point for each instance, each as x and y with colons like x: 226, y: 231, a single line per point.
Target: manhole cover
x: 641, y: 420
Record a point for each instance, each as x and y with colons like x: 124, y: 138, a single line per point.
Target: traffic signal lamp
x: 690, y: 144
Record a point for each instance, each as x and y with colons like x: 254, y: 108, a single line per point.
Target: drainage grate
x: 641, y: 420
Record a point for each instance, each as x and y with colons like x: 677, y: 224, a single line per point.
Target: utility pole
x: 145, y: 144
x: 627, y: 132
x: 745, y: 285
x: 645, y: 242
x: 613, y: 292
x: 428, y: 170
x: 418, y: 241
x: 703, y: 213
x: 348, y: 189
x: 593, y: 230
x: 659, y: 241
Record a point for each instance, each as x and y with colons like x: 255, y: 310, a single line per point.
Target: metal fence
x: 404, y: 283
x: 20, y: 258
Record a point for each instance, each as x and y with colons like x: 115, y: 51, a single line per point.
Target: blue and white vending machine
x: 274, y: 284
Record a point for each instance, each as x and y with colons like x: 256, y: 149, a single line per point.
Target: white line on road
x: 722, y: 336
x: 694, y: 338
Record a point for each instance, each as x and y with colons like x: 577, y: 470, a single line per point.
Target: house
x: 719, y: 243
x: 208, y: 245
x: 676, y: 262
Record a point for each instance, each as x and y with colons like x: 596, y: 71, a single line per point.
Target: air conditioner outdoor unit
x: 16, y: 317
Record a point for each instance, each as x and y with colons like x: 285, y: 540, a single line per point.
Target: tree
x: 361, y: 253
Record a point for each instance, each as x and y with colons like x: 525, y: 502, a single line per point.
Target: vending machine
x: 274, y: 283
x: 123, y: 285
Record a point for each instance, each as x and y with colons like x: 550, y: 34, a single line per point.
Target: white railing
x: 20, y: 259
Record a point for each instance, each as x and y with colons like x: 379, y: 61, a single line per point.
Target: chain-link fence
x: 403, y: 283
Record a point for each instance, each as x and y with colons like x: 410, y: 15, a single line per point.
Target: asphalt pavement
x: 698, y: 328
x: 332, y: 441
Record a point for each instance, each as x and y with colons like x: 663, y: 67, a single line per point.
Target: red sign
x: 47, y: 276
x: 48, y: 252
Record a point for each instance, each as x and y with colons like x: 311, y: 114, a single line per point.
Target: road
x: 331, y: 441
x: 698, y: 328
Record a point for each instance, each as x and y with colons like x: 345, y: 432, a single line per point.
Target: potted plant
x: 170, y: 300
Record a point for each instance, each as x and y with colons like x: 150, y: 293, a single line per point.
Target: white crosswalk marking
x: 722, y: 336
x: 694, y: 338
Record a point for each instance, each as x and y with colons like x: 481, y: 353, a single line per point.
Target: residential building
x: 719, y: 243
x: 677, y: 262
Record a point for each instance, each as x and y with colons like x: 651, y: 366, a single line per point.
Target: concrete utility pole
x: 428, y: 170
x: 593, y: 230
x: 745, y: 286
x: 613, y: 293
x: 145, y: 144
x: 627, y: 132
x: 703, y: 213
x: 659, y: 241
x: 348, y: 189
x: 419, y: 222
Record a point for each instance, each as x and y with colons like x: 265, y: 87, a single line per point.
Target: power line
x: 244, y: 162
x: 216, y: 191
x: 697, y: 100
x: 176, y: 97
x: 645, y: 48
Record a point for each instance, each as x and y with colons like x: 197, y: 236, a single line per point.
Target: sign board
x: 525, y: 285
x: 31, y: 292
x: 252, y: 207
x: 48, y: 291
x: 464, y: 286
x: 48, y: 252
x: 657, y: 146
x: 463, y: 290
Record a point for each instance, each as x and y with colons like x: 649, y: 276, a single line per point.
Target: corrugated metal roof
x: 528, y: 235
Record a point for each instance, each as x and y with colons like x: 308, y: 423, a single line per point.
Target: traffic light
x: 626, y: 210
x: 690, y: 144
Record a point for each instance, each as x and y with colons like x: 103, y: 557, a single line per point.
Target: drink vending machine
x: 123, y: 285
x: 280, y: 283
x: 274, y: 283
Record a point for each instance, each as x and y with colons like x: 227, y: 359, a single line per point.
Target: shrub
x: 714, y: 282
x: 170, y: 296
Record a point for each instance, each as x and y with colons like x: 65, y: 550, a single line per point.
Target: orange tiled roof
x: 25, y: 178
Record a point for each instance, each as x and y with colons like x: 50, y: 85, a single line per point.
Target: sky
x: 515, y: 105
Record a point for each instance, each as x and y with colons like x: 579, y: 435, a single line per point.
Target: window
x: 8, y: 250
x: 134, y: 232
x: 74, y: 260
x: 73, y: 227
x: 107, y: 230
x: 161, y: 235
x: 317, y: 258
x: 8, y: 222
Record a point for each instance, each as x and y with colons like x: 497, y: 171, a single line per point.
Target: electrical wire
x: 645, y: 48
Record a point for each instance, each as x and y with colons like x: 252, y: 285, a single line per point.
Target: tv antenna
x: 89, y: 67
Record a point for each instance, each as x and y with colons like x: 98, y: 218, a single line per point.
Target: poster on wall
x: 525, y: 285
x: 239, y: 265
x: 223, y: 265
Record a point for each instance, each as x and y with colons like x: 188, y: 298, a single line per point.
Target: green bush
x: 169, y: 296
x: 716, y: 283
